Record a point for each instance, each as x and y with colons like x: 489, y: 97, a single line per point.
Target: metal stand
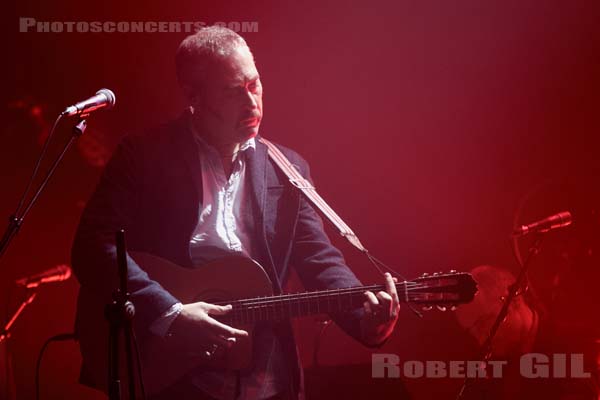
x: 120, y: 314
x: 5, y: 334
x: 16, y: 220
x: 487, y: 348
x: 29, y: 297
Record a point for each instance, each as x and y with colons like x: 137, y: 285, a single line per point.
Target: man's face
x: 229, y: 108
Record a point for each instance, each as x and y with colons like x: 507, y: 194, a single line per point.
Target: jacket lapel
x: 256, y: 176
x: 257, y: 179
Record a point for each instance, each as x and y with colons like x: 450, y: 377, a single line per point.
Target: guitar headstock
x: 443, y: 290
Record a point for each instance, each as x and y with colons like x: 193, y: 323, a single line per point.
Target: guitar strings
x: 248, y: 310
x: 244, y: 313
x: 410, y: 286
x: 356, y: 291
x: 328, y: 292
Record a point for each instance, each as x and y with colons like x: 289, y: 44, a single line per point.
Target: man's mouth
x: 249, y: 122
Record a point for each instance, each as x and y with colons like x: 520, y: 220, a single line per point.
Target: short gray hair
x: 197, y: 51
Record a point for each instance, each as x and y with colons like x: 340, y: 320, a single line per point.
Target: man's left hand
x: 381, y: 313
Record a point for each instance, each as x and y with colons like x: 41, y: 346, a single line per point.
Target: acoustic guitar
x: 244, y: 284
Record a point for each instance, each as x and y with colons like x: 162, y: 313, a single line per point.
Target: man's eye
x: 254, y: 87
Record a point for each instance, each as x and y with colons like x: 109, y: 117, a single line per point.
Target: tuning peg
x: 452, y: 271
x: 453, y: 308
x: 425, y: 274
x: 441, y: 308
x: 427, y: 308
x: 436, y: 273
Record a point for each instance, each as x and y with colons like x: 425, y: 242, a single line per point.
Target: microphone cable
x: 56, y: 338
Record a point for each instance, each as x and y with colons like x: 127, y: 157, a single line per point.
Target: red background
x: 427, y: 124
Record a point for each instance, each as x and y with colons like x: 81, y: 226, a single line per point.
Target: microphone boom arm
x: 30, y: 296
x: 16, y: 220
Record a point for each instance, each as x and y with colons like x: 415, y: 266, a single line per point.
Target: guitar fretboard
x: 328, y: 301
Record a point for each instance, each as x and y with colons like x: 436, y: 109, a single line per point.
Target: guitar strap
x: 309, y: 191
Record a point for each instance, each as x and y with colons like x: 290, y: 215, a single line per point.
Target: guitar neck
x: 310, y: 303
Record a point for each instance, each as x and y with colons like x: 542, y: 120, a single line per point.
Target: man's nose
x: 250, y: 99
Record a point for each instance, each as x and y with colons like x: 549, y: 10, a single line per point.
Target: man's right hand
x: 196, y: 330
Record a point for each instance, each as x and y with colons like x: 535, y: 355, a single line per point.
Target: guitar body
x: 220, y: 281
x: 163, y: 361
x: 228, y: 278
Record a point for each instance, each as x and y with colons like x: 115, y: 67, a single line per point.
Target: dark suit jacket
x: 152, y: 188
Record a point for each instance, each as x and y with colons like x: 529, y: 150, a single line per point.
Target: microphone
x: 103, y: 98
x: 57, y: 274
x: 555, y: 221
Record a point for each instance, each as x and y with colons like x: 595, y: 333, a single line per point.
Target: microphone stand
x: 119, y: 314
x: 5, y: 334
x: 29, y: 297
x: 487, y: 347
x: 16, y: 220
